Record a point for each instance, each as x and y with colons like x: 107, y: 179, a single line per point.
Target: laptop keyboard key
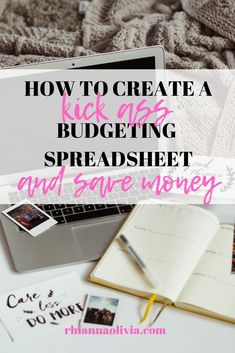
x: 67, y: 211
x: 99, y: 206
x: 56, y: 213
x: 60, y: 220
x: 49, y: 207
x: 89, y: 207
x: 60, y: 206
x: 78, y: 209
x: 125, y: 209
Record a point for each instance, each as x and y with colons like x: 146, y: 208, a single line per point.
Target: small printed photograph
x: 29, y: 217
x: 100, y: 311
x: 233, y: 253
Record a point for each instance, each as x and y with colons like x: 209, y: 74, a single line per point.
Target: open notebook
x: 188, y: 251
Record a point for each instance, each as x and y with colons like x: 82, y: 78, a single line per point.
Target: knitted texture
x: 218, y: 15
x: 123, y: 24
x: 39, y: 30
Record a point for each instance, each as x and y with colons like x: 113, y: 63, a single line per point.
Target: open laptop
x: 83, y: 231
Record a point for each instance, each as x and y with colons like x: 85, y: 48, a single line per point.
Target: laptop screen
x: 144, y: 63
x: 147, y: 63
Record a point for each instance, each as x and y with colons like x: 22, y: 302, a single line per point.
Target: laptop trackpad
x: 93, y: 239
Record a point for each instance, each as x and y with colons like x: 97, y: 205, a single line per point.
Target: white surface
x: 186, y: 332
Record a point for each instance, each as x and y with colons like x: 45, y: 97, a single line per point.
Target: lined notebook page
x: 170, y: 239
x: 212, y: 286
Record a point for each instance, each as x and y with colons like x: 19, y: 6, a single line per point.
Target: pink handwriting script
x: 105, y: 185
x: 135, y: 114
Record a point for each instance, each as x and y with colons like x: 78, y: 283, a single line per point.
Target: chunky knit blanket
x: 194, y: 33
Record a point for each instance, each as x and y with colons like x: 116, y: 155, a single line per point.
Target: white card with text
x: 41, y: 307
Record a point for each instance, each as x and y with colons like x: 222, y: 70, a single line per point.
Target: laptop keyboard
x: 74, y: 213
x: 66, y: 213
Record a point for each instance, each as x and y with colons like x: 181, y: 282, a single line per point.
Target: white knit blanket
x: 39, y: 30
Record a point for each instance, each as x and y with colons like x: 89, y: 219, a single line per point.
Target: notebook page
x: 212, y: 285
x: 170, y: 239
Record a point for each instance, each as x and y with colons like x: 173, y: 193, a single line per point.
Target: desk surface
x: 186, y: 332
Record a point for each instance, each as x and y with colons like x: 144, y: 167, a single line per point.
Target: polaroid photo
x: 29, y: 217
x: 99, y: 311
x: 233, y: 252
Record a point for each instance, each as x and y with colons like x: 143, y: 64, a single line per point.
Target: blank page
x: 170, y: 239
x: 212, y: 285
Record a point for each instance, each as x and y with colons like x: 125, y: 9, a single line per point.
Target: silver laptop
x: 85, y: 230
